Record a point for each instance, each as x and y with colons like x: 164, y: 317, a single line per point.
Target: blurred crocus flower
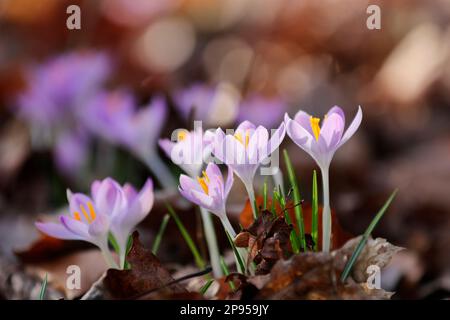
x: 115, y: 117
x: 71, y: 150
x: 61, y: 85
x: 246, y: 149
x: 110, y: 209
x: 56, y: 93
x: 214, y: 105
x: 321, y: 142
x: 209, y: 191
x: 260, y: 110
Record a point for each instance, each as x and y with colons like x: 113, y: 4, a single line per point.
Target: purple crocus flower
x: 246, y: 150
x: 189, y: 151
x: 110, y: 208
x: 115, y: 117
x: 210, y: 191
x: 211, y: 105
x: 321, y: 142
x: 260, y: 110
x: 125, y: 206
x: 61, y: 85
x: 56, y: 93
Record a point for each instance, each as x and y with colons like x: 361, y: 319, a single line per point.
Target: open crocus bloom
x: 321, y: 142
x: 126, y: 207
x: 112, y: 208
x: 189, y: 151
x: 247, y: 148
x: 85, y: 222
x: 209, y: 191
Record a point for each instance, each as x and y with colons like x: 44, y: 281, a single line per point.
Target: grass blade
x: 206, y: 286
x: 236, y: 253
x: 265, y: 195
x: 159, y: 235
x: 191, y: 244
x: 315, y: 213
x: 43, y: 288
x: 297, y: 199
x: 226, y: 272
x: 362, y: 243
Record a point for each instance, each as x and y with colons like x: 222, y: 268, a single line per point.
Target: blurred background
x: 64, y: 95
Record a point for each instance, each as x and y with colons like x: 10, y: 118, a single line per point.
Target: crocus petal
x: 100, y: 226
x: 109, y: 198
x: 277, y: 138
x: 129, y: 192
x: 202, y: 199
x: 338, y: 111
x: 234, y: 150
x: 187, y: 183
x: 94, y: 187
x: 353, y: 127
x: 77, y: 227
x: 244, y: 126
x: 57, y: 230
x: 257, y: 146
x: 332, y: 130
x: 229, y: 182
x: 304, y: 119
x: 298, y: 134
x: 140, y: 207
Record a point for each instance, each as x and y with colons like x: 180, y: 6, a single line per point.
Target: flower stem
x: 326, y: 211
x: 230, y: 230
x: 251, y: 197
x: 160, y: 171
x: 278, y: 179
x: 108, y: 257
x: 211, y: 241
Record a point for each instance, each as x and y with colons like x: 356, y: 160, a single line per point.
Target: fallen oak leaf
x: 146, y: 274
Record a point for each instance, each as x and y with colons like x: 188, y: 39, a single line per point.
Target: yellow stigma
x: 239, y: 138
x: 182, y: 135
x: 315, y: 127
x: 204, y: 181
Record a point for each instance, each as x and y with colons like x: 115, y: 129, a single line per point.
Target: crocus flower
x: 110, y: 208
x: 189, y: 151
x: 53, y: 100
x: 246, y: 149
x: 213, y: 105
x: 321, y: 142
x: 125, y: 206
x: 260, y: 110
x: 210, y: 192
x: 115, y: 117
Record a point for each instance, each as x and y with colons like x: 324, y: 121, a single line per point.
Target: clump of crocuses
x: 110, y: 212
